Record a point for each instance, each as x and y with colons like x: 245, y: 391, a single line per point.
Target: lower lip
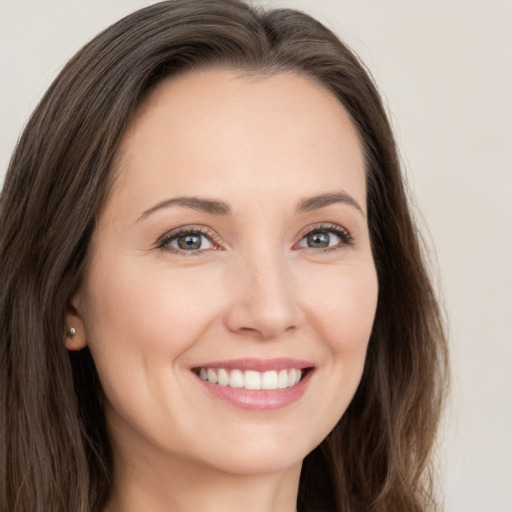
x: 255, y: 400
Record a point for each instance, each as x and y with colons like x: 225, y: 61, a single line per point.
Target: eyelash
x: 342, y: 233
x: 165, y: 240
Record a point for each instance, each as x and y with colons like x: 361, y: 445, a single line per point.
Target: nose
x: 263, y: 298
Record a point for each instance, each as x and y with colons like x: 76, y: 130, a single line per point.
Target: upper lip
x: 259, y: 365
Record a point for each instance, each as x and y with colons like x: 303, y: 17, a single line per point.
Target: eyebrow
x: 195, y: 203
x: 321, y: 201
x: 216, y: 207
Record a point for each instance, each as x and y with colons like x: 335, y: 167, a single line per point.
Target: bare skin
x: 236, y: 230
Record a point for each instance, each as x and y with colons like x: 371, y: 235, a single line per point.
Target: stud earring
x: 71, y: 333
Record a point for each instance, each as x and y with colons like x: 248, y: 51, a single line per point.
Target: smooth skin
x: 279, y: 275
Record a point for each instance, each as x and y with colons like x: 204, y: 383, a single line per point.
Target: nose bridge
x: 264, y: 293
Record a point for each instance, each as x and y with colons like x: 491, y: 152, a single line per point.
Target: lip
x: 258, y: 365
x: 258, y: 400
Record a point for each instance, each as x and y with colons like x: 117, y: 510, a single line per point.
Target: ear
x: 75, y: 336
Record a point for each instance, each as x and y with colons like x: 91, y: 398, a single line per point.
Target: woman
x: 213, y: 292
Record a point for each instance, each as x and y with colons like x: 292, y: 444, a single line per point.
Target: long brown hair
x: 54, y: 451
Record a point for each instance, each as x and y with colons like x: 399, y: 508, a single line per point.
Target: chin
x: 244, y: 464
x: 265, y: 453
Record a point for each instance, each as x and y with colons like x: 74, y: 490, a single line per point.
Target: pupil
x: 318, y: 240
x: 188, y: 242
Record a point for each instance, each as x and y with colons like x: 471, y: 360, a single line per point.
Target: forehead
x: 198, y: 130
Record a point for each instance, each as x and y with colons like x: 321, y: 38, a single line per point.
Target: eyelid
x: 340, y: 231
x: 163, y: 241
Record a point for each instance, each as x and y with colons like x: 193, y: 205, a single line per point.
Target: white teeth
x: 212, y: 376
x: 283, y: 379
x: 252, y: 380
x: 269, y: 380
x: 236, y: 379
x: 223, y: 377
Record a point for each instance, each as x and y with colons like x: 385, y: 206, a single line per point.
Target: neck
x: 180, y: 486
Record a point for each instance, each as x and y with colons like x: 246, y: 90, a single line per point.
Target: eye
x: 187, y: 240
x: 325, y: 237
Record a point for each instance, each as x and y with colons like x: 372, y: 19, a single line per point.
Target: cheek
x: 140, y: 312
x: 341, y: 313
x: 140, y: 322
x: 343, y: 308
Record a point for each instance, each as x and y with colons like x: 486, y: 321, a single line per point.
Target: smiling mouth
x: 251, y: 379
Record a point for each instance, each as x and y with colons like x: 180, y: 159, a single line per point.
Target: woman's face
x: 234, y: 248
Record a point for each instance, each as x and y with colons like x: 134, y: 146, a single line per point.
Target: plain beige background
x: 444, y: 68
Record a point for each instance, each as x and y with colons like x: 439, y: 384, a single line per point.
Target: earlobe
x: 74, y: 340
x: 74, y: 337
